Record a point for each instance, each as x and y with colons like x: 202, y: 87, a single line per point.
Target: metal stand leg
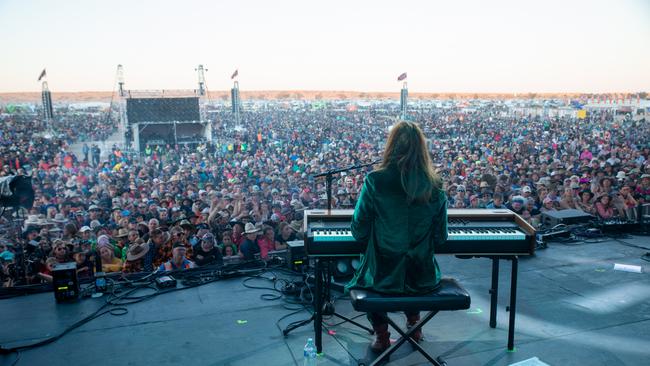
x: 322, y: 307
x: 513, y: 303
x: 354, y: 322
x: 494, y: 292
x: 318, y: 308
x: 406, y: 336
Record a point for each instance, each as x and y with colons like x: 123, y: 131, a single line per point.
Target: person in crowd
x: 250, y: 246
x: 605, y: 186
x: 485, y: 198
x: 585, y: 203
x: 266, y: 241
x: 643, y: 190
x: 106, y: 250
x: 178, y: 260
x: 497, y: 201
x: 207, y: 252
x: 474, y: 201
x: 517, y: 205
x: 160, y: 249
x: 548, y: 205
x: 604, y: 207
x: 568, y: 199
x: 135, y: 254
x: 460, y: 201
x: 625, y: 203
x: 229, y: 251
x: 85, y: 267
x: 285, y: 234
x: 45, y: 274
x: 60, y: 252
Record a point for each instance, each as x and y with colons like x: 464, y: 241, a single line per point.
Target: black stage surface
x: 573, y: 309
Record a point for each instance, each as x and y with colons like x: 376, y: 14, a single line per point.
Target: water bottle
x: 309, y: 353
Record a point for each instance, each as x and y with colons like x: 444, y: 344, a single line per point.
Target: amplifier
x: 566, y: 217
x: 65, y: 282
x: 296, y: 255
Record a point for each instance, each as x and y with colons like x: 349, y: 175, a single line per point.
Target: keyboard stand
x: 494, y: 292
x: 321, y: 307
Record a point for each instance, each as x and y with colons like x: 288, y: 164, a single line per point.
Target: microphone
x: 340, y: 170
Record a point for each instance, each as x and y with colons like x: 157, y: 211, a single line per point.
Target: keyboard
x: 469, y: 232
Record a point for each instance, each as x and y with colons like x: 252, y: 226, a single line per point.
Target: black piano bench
x: 449, y: 295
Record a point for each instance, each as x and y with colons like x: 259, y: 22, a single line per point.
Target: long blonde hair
x: 406, y: 150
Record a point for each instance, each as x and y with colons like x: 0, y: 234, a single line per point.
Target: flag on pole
x: 43, y: 74
x: 234, y: 74
x: 401, y: 77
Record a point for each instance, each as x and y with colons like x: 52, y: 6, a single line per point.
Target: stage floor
x: 573, y: 308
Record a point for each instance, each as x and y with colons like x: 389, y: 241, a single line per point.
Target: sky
x: 356, y: 45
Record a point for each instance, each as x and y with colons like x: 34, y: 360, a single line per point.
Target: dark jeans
x: 377, y: 319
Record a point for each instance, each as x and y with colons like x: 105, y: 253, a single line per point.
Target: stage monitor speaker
x: 566, y: 217
x: 65, y: 282
x: 297, y: 256
x: 344, y: 268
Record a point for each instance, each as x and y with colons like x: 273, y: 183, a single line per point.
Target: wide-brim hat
x: 59, y: 218
x: 33, y: 220
x: 250, y: 228
x: 186, y: 223
x: 297, y: 206
x: 45, y: 222
x: 295, y: 226
x: 137, y: 251
x: 122, y: 233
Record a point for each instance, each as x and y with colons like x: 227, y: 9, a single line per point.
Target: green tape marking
x: 600, y: 269
x: 242, y: 322
x: 512, y: 350
x: 477, y: 311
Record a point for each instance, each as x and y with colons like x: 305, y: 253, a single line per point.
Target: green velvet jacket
x: 401, y: 238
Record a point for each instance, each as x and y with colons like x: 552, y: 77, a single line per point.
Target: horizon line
x: 334, y: 91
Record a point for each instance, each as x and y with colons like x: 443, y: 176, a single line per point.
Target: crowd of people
x: 243, y: 195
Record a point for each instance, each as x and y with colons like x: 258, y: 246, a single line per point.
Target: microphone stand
x: 326, y: 307
x: 329, y: 176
